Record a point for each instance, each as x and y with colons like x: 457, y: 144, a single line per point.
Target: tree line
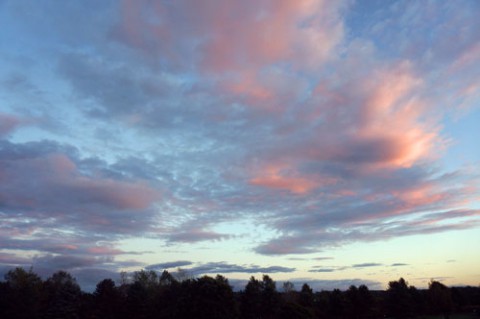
x: 150, y: 295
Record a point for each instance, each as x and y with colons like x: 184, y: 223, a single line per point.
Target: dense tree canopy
x: 150, y: 295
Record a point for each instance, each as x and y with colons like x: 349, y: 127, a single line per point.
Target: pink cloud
x: 8, y: 123
x: 135, y: 195
x: 368, y: 124
x: 104, y: 250
x: 58, y: 171
x: 234, y: 42
x: 263, y: 32
x: 281, y: 177
x: 392, y: 112
x: 52, y: 184
x: 294, y: 185
x: 467, y: 58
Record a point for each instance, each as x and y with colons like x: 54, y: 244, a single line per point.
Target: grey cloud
x: 167, y: 265
x: 9, y: 259
x: 63, y: 193
x: 323, y: 258
x: 224, y: 268
x: 64, y: 262
x: 323, y: 270
x: 285, y: 246
x: 314, y: 240
x: 315, y: 258
x: 195, y: 236
x: 399, y: 264
x: 365, y: 265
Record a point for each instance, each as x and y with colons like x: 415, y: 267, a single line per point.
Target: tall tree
x: 306, y: 297
x: 270, y: 298
x: 399, y: 302
x: 63, y: 296
x: 365, y: 301
x: 336, y: 304
x: 439, y: 299
x: 352, y: 302
x: 359, y: 301
x: 107, y: 300
x: 24, y: 294
x: 251, y: 299
x: 206, y: 298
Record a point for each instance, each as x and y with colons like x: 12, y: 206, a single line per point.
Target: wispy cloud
x: 324, y: 270
x: 168, y: 265
x: 364, y: 265
x: 399, y: 264
x: 225, y: 268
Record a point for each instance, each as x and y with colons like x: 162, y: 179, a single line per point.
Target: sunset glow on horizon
x: 328, y: 142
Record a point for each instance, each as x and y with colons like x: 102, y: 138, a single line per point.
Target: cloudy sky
x: 333, y: 142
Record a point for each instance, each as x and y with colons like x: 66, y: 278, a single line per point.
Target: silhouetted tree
x: 206, y: 298
x: 251, y: 300
x: 63, y: 296
x: 352, y: 302
x: 148, y: 279
x: 398, y: 299
x: 166, y: 279
x: 260, y: 299
x: 322, y: 304
x: 419, y: 302
x: 366, y: 301
x: 145, y: 295
x: 5, y: 294
x: 359, y: 301
x: 336, y: 304
x: 289, y: 293
x: 306, y: 297
x: 137, y: 301
x: 439, y: 299
x: 23, y: 291
x: 167, y: 296
x: 291, y: 310
x: 270, y: 298
x: 108, y: 302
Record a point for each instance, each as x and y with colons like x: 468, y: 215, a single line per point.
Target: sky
x: 328, y: 142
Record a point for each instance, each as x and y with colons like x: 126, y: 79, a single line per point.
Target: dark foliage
x: 148, y: 295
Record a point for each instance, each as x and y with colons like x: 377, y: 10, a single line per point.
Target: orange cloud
x: 393, y: 112
x: 284, y: 178
x: 294, y: 185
